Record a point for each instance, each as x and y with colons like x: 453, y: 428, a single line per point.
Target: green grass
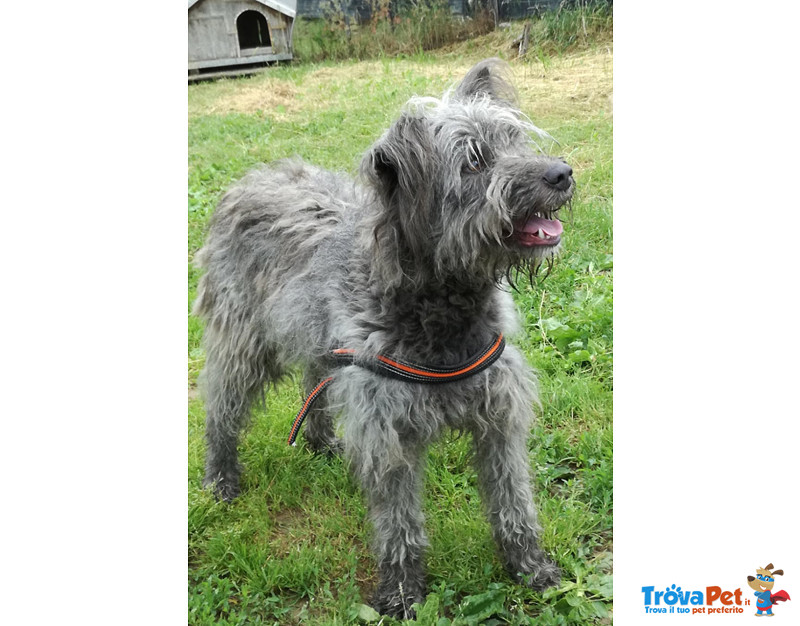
x: 294, y: 548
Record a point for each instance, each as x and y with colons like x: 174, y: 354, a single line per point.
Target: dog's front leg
x: 501, y: 459
x: 392, y: 482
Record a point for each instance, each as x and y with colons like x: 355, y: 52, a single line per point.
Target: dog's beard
x: 535, y: 267
x: 531, y: 271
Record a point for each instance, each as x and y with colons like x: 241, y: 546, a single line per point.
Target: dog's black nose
x: 558, y: 175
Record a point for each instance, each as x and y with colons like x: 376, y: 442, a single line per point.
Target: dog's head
x: 462, y: 186
x: 764, y: 580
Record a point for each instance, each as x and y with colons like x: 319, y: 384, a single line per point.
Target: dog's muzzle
x: 542, y: 228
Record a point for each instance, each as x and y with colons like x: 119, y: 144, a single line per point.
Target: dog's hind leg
x: 234, y: 376
x: 501, y: 459
x: 319, y: 432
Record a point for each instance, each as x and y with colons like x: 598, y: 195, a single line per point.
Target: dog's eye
x: 474, y: 164
x: 474, y: 161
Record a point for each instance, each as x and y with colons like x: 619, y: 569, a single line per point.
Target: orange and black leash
x: 402, y: 370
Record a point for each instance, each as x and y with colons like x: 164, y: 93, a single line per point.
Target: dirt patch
x: 290, y: 526
x: 279, y: 97
x: 367, y: 71
x: 366, y: 577
x: 288, y: 517
x: 351, y: 71
x: 574, y: 86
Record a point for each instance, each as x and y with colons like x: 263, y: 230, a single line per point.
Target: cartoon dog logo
x: 763, y: 583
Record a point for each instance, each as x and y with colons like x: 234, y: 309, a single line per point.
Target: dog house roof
x: 287, y: 7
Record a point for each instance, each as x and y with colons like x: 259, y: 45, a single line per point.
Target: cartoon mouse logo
x: 763, y: 583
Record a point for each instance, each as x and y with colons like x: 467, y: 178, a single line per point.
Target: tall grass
x: 420, y: 27
x: 424, y: 26
x: 567, y: 29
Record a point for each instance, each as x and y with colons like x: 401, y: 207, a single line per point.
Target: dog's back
x: 263, y: 235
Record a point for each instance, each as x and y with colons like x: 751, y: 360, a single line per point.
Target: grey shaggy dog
x: 410, y: 262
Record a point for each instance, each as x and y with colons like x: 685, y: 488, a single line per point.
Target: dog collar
x: 402, y: 370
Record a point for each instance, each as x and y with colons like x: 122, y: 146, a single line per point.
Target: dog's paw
x: 546, y: 575
x: 225, y: 489
x: 397, y: 602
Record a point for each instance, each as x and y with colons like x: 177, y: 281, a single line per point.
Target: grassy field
x: 294, y: 548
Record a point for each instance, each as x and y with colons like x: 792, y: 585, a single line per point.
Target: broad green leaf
x: 368, y: 614
x: 483, y: 605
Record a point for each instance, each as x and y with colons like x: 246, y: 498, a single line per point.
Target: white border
x: 707, y: 346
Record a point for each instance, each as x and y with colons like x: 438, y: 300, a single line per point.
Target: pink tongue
x: 551, y: 228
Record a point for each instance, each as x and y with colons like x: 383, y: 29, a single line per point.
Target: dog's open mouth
x: 538, y: 231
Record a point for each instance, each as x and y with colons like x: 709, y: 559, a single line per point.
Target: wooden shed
x: 238, y: 35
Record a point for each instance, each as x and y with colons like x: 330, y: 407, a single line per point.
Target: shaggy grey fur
x: 409, y: 262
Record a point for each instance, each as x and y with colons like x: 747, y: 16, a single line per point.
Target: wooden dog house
x: 233, y: 36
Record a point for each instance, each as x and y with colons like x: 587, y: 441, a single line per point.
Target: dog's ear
x: 398, y: 162
x: 778, y: 572
x: 488, y: 78
x: 400, y: 168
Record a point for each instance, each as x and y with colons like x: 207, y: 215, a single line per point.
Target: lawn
x: 294, y: 548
